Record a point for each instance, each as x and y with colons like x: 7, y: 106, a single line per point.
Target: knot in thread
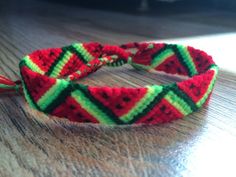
x: 7, y: 85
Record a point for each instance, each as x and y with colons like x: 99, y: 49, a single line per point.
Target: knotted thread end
x: 7, y: 85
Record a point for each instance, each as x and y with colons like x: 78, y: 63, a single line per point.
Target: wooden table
x: 32, y: 144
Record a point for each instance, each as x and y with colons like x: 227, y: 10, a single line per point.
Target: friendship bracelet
x: 48, y: 82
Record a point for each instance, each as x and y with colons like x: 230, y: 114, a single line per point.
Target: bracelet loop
x: 48, y: 75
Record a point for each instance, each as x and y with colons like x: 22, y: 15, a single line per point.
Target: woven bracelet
x: 48, y: 82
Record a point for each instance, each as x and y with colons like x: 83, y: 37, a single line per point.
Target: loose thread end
x: 7, y: 85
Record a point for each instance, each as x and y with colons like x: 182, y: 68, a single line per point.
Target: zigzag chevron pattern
x: 48, y: 85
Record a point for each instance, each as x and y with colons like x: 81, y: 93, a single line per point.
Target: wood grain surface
x: 33, y: 144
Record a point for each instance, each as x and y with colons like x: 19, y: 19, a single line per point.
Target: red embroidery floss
x: 48, y: 75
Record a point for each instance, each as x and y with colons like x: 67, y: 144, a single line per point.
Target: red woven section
x: 197, y: 86
x: 93, y: 48
x: 73, y: 111
x: 119, y: 101
x: 201, y: 59
x: 172, y: 66
x: 45, y: 58
x: 72, y: 66
x: 144, y: 55
x: 162, y: 112
x: 36, y: 84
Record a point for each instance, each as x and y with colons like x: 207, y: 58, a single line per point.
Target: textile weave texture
x: 48, y: 82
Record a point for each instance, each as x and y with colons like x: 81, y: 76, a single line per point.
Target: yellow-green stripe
x: 187, y: 59
x: 178, y: 103
x: 57, y: 69
x: 161, y: 57
x: 152, y: 92
x: 80, y: 48
x: 86, y: 104
x: 32, y: 65
x: 209, y: 89
x: 52, y: 93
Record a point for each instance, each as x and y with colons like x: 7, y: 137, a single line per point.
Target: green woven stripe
x: 160, y: 51
x: 210, y: 87
x: 91, y: 108
x: 30, y: 64
x: 108, y: 112
x: 151, y: 105
x: 181, y: 59
x: 72, y: 49
x: 178, y: 103
x: 59, y: 99
x: 161, y: 57
x: 187, y: 59
x: 152, y: 92
x: 56, y: 61
x: 52, y: 94
x: 156, y: 57
x: 60, y: 65
x: 80, y: 49
x: 184, y: 96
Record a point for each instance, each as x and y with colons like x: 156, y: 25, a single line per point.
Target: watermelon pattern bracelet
x: 48, y: 82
